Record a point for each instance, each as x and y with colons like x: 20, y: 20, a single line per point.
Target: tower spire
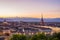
x: 42, y: 20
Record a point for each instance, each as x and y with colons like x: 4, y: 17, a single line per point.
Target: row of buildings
x: 27, y: 28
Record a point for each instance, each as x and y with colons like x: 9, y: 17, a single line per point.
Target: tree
x: 18, y: 37
x: 40, y: 36
x: 55, y: 39
x: 34, y: 37
x: 56, y: 35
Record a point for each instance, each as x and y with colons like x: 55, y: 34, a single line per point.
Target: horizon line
x: 28, y: 17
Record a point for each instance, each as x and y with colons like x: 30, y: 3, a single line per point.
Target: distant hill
x: 31, y: 19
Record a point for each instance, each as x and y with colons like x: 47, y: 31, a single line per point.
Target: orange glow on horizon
x: 32, y: 15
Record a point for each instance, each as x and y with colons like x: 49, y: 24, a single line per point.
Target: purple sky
x: 30, y: 8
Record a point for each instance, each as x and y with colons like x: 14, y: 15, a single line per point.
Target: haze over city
x: 30, y: 8
x: 29, y: 19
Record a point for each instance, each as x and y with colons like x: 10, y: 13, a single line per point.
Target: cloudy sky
x: 30, y: 8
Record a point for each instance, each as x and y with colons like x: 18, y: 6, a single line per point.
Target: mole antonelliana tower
x: 42, y: 20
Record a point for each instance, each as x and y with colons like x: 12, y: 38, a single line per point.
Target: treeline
x: 39, y: 36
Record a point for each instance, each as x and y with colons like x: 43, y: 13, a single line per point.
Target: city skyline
x: 30, y: 8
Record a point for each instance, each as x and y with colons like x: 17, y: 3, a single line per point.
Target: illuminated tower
x: 42, y: 20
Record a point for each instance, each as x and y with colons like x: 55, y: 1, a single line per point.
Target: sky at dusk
x: 30, y: 8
